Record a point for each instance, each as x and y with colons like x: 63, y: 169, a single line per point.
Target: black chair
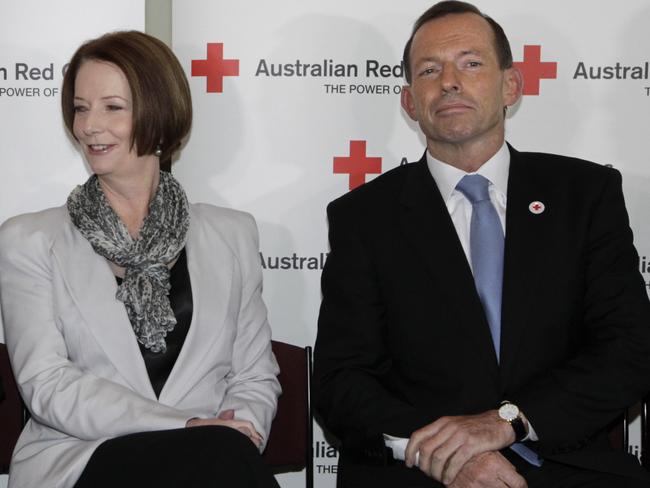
x: 12, y: 412
x: 645, y: 447
x: 290, y: 443
x: 619, y: 431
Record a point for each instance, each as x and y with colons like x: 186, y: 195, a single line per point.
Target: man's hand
x: 448, y: 443
x: 488, y: 470
x: 227, y: 419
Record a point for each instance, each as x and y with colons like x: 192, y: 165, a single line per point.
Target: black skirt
x: 193, y: 457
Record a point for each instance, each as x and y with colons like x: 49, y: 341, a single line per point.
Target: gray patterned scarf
x: 145, y: 287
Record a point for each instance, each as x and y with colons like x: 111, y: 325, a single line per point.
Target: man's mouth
x: 452, y: 108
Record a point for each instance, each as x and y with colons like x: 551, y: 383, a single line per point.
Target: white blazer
x: 76, y: 359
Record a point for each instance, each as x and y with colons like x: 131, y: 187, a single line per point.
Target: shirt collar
x: 494, y: 169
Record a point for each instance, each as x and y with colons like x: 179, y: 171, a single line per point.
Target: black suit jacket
x: 402, y: 337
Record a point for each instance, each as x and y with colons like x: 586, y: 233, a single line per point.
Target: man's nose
x: 449, y: 79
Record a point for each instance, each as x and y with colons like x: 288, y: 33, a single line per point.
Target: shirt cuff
x: 398, y: 446
x: 532, y: 435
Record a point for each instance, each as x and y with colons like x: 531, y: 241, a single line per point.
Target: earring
x: 158, y: 151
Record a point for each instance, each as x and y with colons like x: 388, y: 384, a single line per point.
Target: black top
x: 159, y: 364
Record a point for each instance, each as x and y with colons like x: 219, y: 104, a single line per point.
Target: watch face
x: 508, y: 411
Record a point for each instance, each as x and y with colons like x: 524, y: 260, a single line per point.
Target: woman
x: 130, y: 315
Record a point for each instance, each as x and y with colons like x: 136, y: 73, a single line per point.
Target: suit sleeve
x: 611, y: 369
x: 253, y: 387
x: 352, y: 365
x: 57, y: 393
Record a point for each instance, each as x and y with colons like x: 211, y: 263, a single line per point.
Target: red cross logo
x: 357, y: 165
x: 215, y: 67
x: 534, y: 69
x: 536, y: 207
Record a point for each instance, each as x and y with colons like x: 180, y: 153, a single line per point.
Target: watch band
x: 519, y: 428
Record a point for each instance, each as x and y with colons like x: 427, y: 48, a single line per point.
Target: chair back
x: 11, y: 411
x: 645, y: 435
x: 619, y: 431
x: 289, y: 447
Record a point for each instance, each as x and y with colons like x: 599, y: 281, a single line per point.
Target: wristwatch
x: 511, y: 414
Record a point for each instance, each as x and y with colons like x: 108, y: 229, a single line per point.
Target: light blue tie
x: 486, y: 244
x: 486, y: 251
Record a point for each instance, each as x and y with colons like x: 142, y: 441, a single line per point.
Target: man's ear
x: 408, y: 103
x: 513, y: 85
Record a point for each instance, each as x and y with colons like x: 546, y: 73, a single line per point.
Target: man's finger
x: 455, y: 462
x: 439, y: 452
x: 425, y: 434
x: 512, y: 479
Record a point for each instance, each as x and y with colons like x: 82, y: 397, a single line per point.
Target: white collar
x: 494, y: 169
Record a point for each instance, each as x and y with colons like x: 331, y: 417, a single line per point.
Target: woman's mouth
x: 99, y: 148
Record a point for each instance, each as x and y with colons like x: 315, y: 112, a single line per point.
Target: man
x: 501, y: 360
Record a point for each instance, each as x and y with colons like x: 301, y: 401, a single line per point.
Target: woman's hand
x: 227, y: 419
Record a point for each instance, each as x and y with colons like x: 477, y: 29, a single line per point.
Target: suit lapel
x: 427, y: 225
x: 210, y: 263
x: 527, y: 235
x: 92, y: 286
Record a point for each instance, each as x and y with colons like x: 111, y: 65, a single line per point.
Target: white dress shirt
x: 446, y: 176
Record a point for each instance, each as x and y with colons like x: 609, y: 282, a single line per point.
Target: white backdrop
x: 39, y: 164
x: 267, y: 127
x: 267, y: 143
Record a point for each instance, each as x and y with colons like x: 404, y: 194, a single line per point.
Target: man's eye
x: 429, y: 71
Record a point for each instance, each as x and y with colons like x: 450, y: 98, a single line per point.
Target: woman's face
x: 103, y: 120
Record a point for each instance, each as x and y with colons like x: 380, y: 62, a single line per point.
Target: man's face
x: 458, y: 91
